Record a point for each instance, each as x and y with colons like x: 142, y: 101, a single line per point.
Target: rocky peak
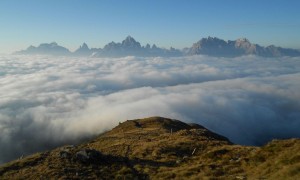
x: 154, y: 46
x: 129, y: 39
x: 243, y: 43
x: 130, y: 42
x: 84, y: 46
x: 210, y: 42
x: 243, y: 40
x: 83, y: 50
x: 112, y: 46
x: 211, y: 39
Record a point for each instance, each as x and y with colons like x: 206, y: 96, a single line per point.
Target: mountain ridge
x: 160, y: 148
x: 45, y: 48
x: 211, y: 46
x: 217, y: 47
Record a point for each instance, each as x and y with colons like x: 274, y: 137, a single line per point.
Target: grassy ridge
x: 160, y: 148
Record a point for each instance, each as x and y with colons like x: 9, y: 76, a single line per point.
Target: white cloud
x: 48, y: 101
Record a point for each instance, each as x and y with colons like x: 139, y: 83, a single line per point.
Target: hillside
x: 160, y: 148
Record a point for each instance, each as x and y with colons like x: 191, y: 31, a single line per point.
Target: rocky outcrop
x: 88, y: 156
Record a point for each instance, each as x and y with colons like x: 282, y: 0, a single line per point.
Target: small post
x: 171, y: 131
x: 194, y: 151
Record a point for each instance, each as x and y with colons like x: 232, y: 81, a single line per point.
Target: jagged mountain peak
x: 245, y: 44
x: 129, y: 38
x: 211, y: 39
x: 84, y: 46
x: 130, y: 42
x: 83, y: 50
x: 210, y: 42
x: 242, y: 40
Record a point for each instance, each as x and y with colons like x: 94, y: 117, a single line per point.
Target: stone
x: 88, y: 155
x: 64, y: 154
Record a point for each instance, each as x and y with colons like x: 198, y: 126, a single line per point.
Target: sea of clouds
x: 48, y: 101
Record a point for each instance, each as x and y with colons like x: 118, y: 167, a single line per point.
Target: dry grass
x: 146, y: 148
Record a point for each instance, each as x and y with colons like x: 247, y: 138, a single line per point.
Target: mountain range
x: 160, y: 148
x: 45, y: 48
x: 213, y: 46
x: 210, y: 46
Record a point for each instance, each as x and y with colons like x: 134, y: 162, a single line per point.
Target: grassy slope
x: 146, y: 148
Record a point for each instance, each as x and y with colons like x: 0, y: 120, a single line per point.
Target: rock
x: 65, y: 151
x: 185, y: 157
x: 64, y: 154
x: 88, y: 156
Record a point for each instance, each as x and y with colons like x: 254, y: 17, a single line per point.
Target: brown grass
x: 146, y: 148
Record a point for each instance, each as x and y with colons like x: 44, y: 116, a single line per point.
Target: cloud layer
x: 49, y: 101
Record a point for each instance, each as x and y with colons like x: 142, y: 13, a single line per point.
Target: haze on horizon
x: 165, y: 23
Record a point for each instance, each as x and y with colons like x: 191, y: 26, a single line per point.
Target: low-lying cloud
x: 49, y: 101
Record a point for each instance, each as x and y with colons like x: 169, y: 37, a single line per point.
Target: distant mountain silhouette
x: 213, y: 46
x: 83, y: 50
x: 130, y: 47
x: 51, y: 49
x: 210, y: 46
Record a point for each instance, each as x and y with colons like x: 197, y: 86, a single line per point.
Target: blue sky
x: 163, y: 22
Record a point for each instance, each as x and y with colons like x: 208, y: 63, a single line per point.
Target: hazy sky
x: 166, y: 23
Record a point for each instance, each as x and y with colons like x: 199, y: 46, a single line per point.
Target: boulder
x: 88, y: 156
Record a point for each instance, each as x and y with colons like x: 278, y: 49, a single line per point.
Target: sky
x: 166, y: 23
